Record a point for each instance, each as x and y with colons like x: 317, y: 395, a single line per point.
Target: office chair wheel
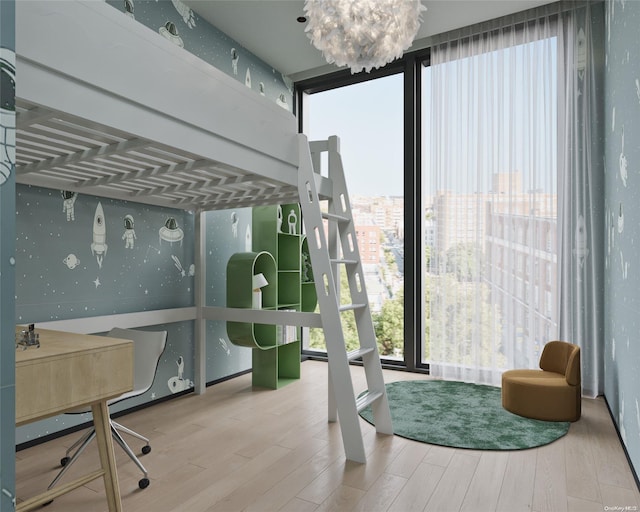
x: 64, y: 460
x: 146, y: 449
x: 143, y: 483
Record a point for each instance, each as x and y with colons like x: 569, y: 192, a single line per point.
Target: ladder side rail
x: 341, y: 205
x: 328, y: 301
x: 317, y: 148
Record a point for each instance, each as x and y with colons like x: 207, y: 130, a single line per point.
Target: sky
x: 479, y: 134
x: 367, y: 117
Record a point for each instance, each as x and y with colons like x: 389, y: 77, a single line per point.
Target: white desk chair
x: 147, y: 349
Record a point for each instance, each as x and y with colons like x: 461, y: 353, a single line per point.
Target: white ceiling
x: 268, y: 28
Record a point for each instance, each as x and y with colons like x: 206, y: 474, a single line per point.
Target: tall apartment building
x: 516, y: 231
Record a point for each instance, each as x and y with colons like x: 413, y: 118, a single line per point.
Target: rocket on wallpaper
x: 187, y: 14
x: 623, y: 162
x: 247, y: 78
x: 7, y: 113
x: 99, y: 243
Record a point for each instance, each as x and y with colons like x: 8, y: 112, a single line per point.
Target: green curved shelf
x: 282, y: 255
x: 241, y: 268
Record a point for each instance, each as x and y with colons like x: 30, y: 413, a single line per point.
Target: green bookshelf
x: 281, y: 254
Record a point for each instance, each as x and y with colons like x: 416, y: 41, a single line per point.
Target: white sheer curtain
x: 581, y: 185
x: 490, y: 174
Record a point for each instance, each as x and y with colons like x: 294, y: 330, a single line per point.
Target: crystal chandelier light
x: 362, y: 34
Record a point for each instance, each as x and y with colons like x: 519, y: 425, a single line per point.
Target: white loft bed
x: 107, y: 107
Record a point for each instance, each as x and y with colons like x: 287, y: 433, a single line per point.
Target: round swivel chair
x: 552, y: 393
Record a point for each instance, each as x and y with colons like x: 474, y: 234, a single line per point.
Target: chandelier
x: 362, y: 34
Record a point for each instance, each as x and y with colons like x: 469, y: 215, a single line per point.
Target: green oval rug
x: 462, y: 415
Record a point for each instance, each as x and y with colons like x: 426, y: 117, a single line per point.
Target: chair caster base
x: 146, y: 449
x: 64, y: 460
x: 143, y: 483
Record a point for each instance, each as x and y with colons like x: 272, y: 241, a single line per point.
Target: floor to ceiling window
x: 489, y: 175
x: 368, y: 119
x: 464, y: 136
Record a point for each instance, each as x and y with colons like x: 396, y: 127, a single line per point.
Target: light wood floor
x: 235, y: 448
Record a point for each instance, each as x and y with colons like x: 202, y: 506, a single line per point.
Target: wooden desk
x: 68, y: 371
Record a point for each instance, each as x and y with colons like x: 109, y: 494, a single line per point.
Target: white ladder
x: 326, y: 261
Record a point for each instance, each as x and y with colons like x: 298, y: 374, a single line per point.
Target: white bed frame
x: 107, y: 107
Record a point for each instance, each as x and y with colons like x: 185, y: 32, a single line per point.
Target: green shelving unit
x: 280, y: 253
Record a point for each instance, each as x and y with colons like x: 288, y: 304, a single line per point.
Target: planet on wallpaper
x: 247, y: 78
x: 187, y: 14
x: 170, y: 32
x: 234, y: 60
x: 99, y: 243
x: 68, y: 202
x: 170, y: 232
x: 129, y: 8
x: 7, y: 113
x: 179, y: 383
x: 71, y: 261
x: 129, y: 234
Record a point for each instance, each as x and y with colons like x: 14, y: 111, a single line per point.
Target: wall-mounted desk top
x: 68, y: 371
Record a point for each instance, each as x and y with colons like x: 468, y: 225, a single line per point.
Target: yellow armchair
x: 552, y: 393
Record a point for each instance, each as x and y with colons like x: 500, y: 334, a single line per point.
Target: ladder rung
x: 334, y: 217
x: 367, y: 398
x: 345, y: 262
x: 349, y: 307
x: 355, y: 354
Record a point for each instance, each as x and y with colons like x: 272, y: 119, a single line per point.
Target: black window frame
x: 409, y: 66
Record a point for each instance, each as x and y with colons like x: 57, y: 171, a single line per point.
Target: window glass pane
x: 368, y: 119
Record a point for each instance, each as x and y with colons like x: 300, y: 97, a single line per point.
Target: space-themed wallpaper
x: 622, y: 198
x: 176, y: 22
x: 227, y: 232
x: 82, y: 256
x: 7, y: 244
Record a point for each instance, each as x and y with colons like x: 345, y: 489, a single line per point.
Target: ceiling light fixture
x: 362, y: 34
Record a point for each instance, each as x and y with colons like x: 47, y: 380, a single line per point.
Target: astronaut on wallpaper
x: 234, y: 224
x: 99, y: 243
x: 129, y: 234
x: 68, y: 200
x: 7, y: 113
x: 234, y: 60
x: 179, y: 383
